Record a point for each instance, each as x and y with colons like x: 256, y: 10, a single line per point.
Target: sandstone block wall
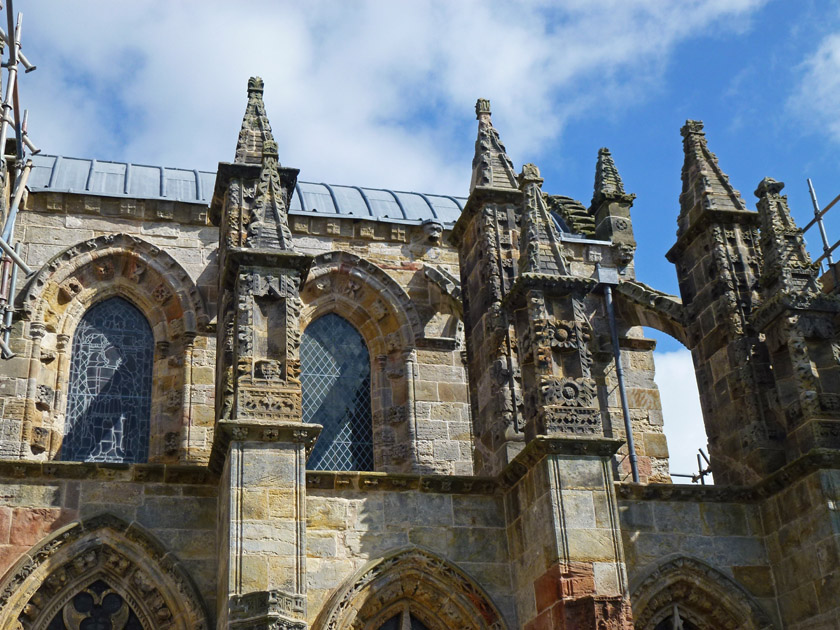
x: 365, y: 516
x: 696, y: 523
x: 177, y: 505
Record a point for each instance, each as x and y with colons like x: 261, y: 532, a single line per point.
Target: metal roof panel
x: 120, y: 179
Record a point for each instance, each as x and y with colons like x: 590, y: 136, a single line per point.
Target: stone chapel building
x: 242, y: 401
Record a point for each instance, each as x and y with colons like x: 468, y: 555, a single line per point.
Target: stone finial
x: 255, y: 84
x: 768, y: 187
x: 692, y: 126
x: 530, y: 173
x: 492, y: 167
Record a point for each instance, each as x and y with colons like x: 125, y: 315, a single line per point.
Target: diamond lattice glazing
x: 335, y: 378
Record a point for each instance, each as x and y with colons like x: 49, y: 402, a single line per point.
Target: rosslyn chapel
x: 241, y: 400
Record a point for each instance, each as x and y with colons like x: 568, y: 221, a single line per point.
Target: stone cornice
x: 548, y: 283
x: 782, y: 479
x: 237, y: 170
x: 710, y: 217
x: 250, y: 430
x: 480, y: 196
x: 188, y: 474
x: 784, y: 302
x: 235, y: 258
x: 543, y: 445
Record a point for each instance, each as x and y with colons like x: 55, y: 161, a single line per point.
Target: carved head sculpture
x: 433, y: 230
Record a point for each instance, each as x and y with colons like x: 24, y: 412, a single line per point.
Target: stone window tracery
x: 97, y: 607
x: 335, y: 382
x: 109, y: 394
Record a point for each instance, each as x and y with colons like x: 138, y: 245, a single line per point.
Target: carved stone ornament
x: 268, y: 609
x: 100, y: 572
x: 268, y: 403
x: 441, y: 596
x: 568, y: 392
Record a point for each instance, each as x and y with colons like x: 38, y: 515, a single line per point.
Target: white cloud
x: 681, y: 409
x: 818, y: 92
x: 373, y: 93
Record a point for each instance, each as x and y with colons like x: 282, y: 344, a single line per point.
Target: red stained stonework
x: 566, y: 600
x: 30, y: 525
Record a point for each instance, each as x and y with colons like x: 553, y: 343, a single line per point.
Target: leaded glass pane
x: 109, y: 398
x: 335, y: 378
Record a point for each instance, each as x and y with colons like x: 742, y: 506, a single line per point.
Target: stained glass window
x: 109, y: 397
x: 335, y: 377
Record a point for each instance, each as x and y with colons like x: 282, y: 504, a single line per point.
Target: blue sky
x: 381, y: 94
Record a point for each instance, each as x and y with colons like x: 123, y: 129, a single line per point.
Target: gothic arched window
x: 109, y: 397
x: 335, y: 378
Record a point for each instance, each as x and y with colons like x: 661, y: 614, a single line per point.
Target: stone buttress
x: 487, y: 239
x: 260, y: 443
x: 571, y: 555
x: 718, y: 262
x: 799, y: 323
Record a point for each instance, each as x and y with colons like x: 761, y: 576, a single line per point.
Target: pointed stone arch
x: 705, y: 596
x: 383, y: 313
x: 366, y: 296
x: 435, y: 591
x: 134, y: 565
x: 53, y: 303
x: 76, y: 277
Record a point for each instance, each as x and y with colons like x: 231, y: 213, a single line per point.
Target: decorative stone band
x: 238, y: 170
x: 152, y: 473
x: 235, y: 258
x: 543, y: 445
x: 749, y: 218
x: 437, y: 484
x: 272, y: 609
x: 228, y: 431
x: 479, y: 196
x: 781, y: 303
x: 562, y: 285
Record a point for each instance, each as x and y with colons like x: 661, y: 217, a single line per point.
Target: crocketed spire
x: 539, y: 251
x: 256, y: 129
x: 608, y: 182
x: 705, y: 185
x: 492, y: 167
x: 787, y: 266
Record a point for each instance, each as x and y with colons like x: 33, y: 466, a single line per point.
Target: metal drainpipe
x: 10, y: 309
x: 619, y: 372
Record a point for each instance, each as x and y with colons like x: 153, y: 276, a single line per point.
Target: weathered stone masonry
x: 499, y: 496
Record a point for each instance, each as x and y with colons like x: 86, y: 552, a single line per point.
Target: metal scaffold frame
x: 11, y: 115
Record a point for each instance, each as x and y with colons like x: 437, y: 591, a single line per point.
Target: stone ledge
x: 373, y: 481
x: 98, y: 471
x: 782, y: 479
x: 543, y: 445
